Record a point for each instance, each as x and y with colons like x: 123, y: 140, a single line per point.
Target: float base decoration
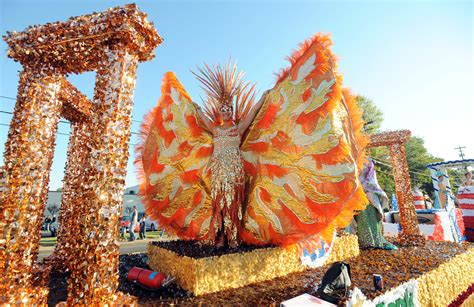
x: 440, y: 272
x: 202, y: 275
x: 466, y: 203
x: 438, y: 287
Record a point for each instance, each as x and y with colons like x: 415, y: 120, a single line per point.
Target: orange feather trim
x: 322, y: 39
x: 153, y: 123
x: 143, y: 133
x: 355, y: 113
x: 169, y: 79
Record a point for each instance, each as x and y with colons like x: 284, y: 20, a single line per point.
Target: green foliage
x: 128, y: 210
x: 372, y: 115
x: 417, y: 154
x: 383, y: 167
x: 456, y: 177
x: 417, y: 158
x: 53, y: 209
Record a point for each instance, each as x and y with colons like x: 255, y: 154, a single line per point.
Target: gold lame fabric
x: 297, y: 164
x: 173, y: 160
x: 303, y: 153
x: 227, y: 173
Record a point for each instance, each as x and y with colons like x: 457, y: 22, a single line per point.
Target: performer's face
x: 226, y: 115
x: 468, y: 175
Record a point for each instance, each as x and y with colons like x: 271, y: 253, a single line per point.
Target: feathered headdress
x: 226, y: 91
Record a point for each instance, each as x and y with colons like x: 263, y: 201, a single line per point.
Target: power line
x: 415, y: 173
x: 11, y: 98
x: 60, y: 133
x: 389, y: 165
x: 61, y: 121
x: 65, y: 134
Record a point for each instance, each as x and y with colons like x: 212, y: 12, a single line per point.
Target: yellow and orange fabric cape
x: 301, y: 156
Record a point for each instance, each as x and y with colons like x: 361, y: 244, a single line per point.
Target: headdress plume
x: 225, y: 90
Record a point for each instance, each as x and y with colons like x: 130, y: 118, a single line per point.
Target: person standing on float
x: 222, y: 86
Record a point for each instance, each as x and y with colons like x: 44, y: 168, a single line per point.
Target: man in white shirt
x: 133, y: 223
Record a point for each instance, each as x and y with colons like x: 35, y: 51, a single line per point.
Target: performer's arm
x: 203, y: 117
x: 245, y: 123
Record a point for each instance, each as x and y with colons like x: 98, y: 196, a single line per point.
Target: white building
x: 130, y: 198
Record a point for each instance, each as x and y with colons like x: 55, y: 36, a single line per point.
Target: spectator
x: 133, y: 223
x: 47, y: 222
x: 467, y: 178
x: 428, y: 202
x: 123, y: 230
x: 142, y: 232
x: 53, y: 226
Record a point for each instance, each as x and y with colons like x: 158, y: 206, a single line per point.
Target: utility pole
x: 461, y: 153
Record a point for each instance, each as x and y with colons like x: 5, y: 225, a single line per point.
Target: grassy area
x: 154, y: 234
x: 49, y: 241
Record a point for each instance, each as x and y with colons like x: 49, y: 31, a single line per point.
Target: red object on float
x: 146, y: 278
x: 418, y: 201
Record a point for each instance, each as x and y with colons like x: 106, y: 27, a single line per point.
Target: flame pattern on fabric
x: 300, y: 155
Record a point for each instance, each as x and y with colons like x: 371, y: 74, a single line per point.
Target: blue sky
x: 414, y: 59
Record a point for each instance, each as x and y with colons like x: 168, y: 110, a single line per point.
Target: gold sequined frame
x: 111, y: 43
x: 395, y: 140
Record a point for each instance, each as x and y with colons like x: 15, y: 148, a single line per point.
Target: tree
x: 53, y: 209
x: 372, y: 115
x: 456, y: 176
x: 128, y: 210
x: 416, y: 152
x: 373, y: 118
x: 417, y: 158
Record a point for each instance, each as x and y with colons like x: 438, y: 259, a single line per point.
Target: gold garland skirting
x: 212, y: 274
x: 345, y: 246
x: 441, y: 286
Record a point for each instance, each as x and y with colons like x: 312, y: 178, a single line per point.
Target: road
x: 138, y: 246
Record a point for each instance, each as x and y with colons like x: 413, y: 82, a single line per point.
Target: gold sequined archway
x: 111, y: 43
x: 396, y: 140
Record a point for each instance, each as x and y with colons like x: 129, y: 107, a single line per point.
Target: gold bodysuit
x: 227, y: 188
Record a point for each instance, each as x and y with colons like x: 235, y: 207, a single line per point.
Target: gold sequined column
x: 70, y: 231
x: 28, y: 157
x: 94, y: 272
x: 396, y: 141
x: 408, y: 220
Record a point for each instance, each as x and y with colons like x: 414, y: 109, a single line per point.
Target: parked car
x: 151, y: 225
x: 125, y: 222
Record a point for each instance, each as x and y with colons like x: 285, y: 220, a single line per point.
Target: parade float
x: 464, y: 198
x: 256, y: 210
x: 111, y: 43
x: 451, y: 218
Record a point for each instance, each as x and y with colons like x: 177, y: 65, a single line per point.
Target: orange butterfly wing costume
x: 301, y: 157
x: 172, y: 162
